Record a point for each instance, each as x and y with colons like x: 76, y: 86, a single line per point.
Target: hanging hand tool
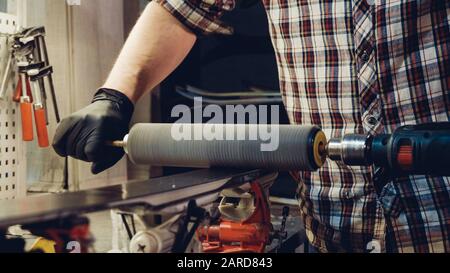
x: 36, y: 36
x: 26, y: 106
x: 38, y: 58
x: 23, y: 78
x: 46, y: 60
x: 22, y: 55
x: 39, y: 107
x: 18, y: 91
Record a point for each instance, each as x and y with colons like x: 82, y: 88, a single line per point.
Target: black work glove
x: 85, y: 134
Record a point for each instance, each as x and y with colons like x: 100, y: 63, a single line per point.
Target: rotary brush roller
x: 420, y: 149
x: 295, y: 147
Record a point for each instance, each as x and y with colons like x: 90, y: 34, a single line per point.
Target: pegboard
x: 10, y: 135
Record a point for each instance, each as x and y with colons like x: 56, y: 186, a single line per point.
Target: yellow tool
x: 43, y: 245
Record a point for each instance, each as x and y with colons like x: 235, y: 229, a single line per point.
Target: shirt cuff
x: 200, y: 16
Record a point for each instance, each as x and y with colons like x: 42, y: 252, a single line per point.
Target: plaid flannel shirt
x: 358, y: 66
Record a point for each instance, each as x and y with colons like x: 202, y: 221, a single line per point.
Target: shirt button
x: 349, y: 195
x: 365, y: 57
x: 372, y: 120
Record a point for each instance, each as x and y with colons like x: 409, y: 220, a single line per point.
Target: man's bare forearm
x: 155, y: 47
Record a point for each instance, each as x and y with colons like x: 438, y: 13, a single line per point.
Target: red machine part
x: 249, y: 236
x: 71, y: 235
x: 79, y: 234
x: 405, y: 157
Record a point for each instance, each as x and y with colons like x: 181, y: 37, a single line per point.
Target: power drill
x: 420, y: 149
x: 411, y: 150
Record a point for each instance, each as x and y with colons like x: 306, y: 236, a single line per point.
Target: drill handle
x: 415, y: 149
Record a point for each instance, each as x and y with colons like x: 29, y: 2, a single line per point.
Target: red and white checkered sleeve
x: 200, y: 16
